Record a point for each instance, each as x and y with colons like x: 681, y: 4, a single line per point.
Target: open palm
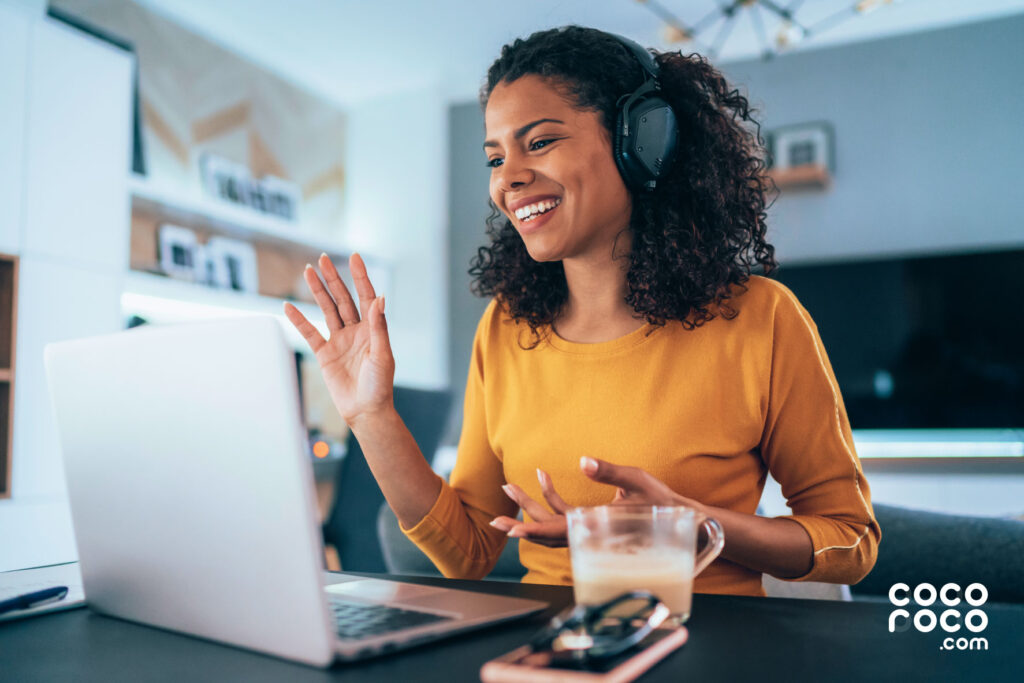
x: 356, y: 360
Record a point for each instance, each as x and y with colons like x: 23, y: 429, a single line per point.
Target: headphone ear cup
x: 620, y: 154
x: 648, y: 152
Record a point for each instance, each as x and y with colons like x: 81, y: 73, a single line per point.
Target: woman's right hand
x: 356, y: 361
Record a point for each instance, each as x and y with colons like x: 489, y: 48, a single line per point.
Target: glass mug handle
x: 716, y: 541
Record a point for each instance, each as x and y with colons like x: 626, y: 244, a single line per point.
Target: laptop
x: 192, y: 498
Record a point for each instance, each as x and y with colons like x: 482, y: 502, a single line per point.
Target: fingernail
x: 540, y: 477
x: 324, y: 255
x: 493, y: 523
x: 515, y: 533
x: 508, y: 491
x: 588, y: 465
x: 382, y: 304
x: 308, y: 266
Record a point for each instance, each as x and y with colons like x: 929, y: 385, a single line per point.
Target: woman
x: 628, y: 353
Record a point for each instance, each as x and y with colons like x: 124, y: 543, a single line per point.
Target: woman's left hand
x: 634, y: 487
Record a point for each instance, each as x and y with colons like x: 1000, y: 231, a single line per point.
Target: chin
x: 542, y: 253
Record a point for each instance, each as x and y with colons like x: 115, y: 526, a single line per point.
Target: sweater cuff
x: 837, y: 558
x: 432, y: 527
x: 816, y: 543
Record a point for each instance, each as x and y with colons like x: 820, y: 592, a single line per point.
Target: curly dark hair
x: 701, y: 231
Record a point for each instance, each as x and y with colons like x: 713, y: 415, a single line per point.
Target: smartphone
x: 524, y: 665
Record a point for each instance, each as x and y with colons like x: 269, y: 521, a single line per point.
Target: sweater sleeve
x: 456, y: 534
x: 808, y: 448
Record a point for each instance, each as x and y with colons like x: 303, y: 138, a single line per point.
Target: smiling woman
x: 629, y: 354
x: 553, y: 176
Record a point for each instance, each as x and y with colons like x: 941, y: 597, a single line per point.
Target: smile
x: 531, y: 212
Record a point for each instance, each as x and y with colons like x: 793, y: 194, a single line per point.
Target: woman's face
x: 552, y: 172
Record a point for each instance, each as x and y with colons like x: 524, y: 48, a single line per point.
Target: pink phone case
x: 510, y: 668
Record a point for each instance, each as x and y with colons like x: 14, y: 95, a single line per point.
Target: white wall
x: 397, y: 209
x: 927, y: 142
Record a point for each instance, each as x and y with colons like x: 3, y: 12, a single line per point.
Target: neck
x: 596, y: 309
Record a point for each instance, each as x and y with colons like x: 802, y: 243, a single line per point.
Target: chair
x: 351, y: 526
x: 807, y: 590
x: 936, y: 548
x: 401, y: 556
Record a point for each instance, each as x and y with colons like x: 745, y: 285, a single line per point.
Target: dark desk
x: 731, y: 639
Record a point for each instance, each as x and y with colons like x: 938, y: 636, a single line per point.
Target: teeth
x: 530, y: 212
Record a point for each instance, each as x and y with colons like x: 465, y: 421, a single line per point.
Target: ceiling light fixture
x: 789, y: 31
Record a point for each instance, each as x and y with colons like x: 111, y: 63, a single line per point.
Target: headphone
x: 646, y: 130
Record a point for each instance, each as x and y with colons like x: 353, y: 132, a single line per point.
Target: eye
x: 541, y: 144
x: 495, y: 162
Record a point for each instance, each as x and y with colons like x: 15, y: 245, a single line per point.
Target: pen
x: 34, y: 599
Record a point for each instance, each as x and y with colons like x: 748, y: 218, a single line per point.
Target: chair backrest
x: 919, y: 547
x: 401, y: 556
x: 351, y: 526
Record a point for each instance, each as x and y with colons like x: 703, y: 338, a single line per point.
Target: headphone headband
x: 646, y: 128
x: 643, y: 57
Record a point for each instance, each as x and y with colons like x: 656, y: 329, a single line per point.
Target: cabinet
x: 14, y: 37
x: 65, y: 147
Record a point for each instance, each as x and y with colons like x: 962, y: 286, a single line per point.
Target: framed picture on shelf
x: 180, y: 253
x: 232, y: 182
x: 231, y: 264
x: 801, y: 154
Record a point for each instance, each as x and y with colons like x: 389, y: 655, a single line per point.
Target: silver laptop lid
x: 189, y: 483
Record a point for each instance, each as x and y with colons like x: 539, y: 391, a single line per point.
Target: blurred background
x: 172, y: 160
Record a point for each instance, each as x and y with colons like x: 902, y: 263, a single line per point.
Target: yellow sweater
x: 708, y: 411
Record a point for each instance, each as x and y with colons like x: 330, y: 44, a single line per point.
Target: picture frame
x: 231, y: 264
x: 805, y: 144
x: 232, y: 182
x: 802, y: 154
x: 180, y: 253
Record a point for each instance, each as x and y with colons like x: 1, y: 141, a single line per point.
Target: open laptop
x: 191, y: 492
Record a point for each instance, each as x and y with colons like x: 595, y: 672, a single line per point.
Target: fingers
x: 305, y: 328
x: 504, y: 523
x: 323, y: 299
x: 634, y: 485
x: 362, y: 282
x: 380, y: 342
x: 632, y: 479
x: 346, y: 307
x: 550, y: 495
x: 552, y: 533
x: 529, y: 505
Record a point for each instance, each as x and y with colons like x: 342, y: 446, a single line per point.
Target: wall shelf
x: 163, y: 300
x: 934, y: 444
x: 808, y: 176
x: 222, y: 217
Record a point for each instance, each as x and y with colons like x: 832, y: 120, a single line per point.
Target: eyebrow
x: 519, y: 133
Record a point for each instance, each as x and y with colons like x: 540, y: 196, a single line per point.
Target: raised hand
x: 634, y: 486
x: 356, y: 360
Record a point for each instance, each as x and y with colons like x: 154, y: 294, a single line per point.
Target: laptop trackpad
x: 381, y: 591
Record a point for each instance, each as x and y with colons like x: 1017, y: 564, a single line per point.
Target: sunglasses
x: 599, y: 632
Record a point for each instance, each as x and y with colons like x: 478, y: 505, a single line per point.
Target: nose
x: 514, y: 173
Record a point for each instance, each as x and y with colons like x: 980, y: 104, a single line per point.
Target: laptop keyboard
x: 359, y: 620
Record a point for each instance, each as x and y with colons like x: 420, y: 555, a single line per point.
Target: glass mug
x: 620, y: 548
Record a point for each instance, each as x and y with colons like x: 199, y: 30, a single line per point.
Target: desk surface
x: 731, y: 639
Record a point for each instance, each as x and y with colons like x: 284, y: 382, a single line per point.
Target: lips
x: 533, y: 199
x: 533, y: 212
x: 536, y: 221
